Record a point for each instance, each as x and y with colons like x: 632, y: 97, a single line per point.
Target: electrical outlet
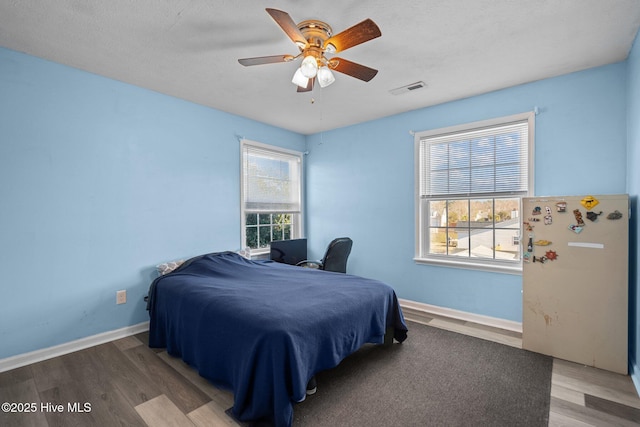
x: 121, y: 297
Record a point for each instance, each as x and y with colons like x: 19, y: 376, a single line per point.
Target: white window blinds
x: 474, y: 162
x: 271, y: 180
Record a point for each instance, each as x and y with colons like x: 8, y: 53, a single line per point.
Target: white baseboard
x: 413, y: 309
x: 69, y: 347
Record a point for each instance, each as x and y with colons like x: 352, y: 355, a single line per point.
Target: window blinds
x: 475, y: 162
x: 271, y: 181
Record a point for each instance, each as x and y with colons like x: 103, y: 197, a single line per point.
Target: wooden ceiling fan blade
x: 359, y: 33
x: 288, y: 26
x: 309, y: 87
x: 259, y: 60
x: 352, y: 69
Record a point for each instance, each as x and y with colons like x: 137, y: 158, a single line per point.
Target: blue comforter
x: 263, y: 329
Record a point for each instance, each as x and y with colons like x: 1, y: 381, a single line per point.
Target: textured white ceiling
x: 189, y: 49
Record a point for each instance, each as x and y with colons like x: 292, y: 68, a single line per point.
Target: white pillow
x: 168, y: 267
x: 246, y: 253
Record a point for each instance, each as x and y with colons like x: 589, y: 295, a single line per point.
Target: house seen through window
x: 470, y: 181
x: 271, y: 186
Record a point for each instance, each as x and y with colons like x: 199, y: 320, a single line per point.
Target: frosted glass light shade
x: 299, y: 79
x: 325, y: 76
x: 309, y: 67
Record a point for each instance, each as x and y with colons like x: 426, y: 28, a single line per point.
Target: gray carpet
x: 435, y: 378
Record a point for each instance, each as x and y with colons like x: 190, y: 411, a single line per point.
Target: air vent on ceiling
x: 408, y: 88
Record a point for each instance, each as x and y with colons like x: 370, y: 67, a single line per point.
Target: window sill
x: 492, y: 267
x: 260, y: 254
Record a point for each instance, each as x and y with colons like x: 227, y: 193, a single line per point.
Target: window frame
x: 297, y: 220
x: 422, y: 224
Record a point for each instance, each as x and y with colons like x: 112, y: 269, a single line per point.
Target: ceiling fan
x: 315, y: 40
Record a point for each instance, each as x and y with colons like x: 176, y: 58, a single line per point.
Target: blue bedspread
x: 263, y: 329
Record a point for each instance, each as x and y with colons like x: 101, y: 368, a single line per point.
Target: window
x: 271, y: 186
x: 470, y: 181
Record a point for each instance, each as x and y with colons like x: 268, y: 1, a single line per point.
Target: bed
x: 263, y: 329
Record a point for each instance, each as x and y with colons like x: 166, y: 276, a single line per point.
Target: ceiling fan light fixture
x: 315, y: 40
x: 299, y: 79
x: 309, y: 66
x: 325, y: 76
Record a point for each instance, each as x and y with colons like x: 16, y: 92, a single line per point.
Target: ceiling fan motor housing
x: 316, y: 32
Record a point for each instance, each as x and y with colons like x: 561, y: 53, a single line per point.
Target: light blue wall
x: 633, y: 184
x: 100, y: 181
x: 360, y: 180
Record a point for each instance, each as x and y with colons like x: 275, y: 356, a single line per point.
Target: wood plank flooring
x: 128, y: 384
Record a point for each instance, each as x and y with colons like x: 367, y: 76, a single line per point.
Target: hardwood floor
x: 126, y: 383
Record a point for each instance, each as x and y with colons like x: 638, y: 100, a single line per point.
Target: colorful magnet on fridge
x: 537, y: 210
x: 542, y: 242
x: 528, y: 226
x: 526, y: 257
x: 561, y: 207
x: 530, y: 243
x: 578, y: 215
x: 592, y: 216
x: 614, y: 215
x: 575, y: 228
x: 548, y: 220
x: 589, y: 202
x: 551, y: 255
x: 540, y: 259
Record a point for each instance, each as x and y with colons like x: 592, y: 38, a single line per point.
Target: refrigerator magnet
x: 561, y: 207
x: 614, y: 215
x: 589, y: 202
x: 551, y: 255
x: 592, y: 216
x: 578, y: 215
x: 537, y: 210
x: 548, y: 220
x: 542, y: 242
x: 575, y: 228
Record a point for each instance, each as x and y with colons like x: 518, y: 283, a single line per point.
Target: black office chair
x: 335, y: 258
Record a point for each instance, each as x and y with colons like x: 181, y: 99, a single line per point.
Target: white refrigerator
x: 575, y: 278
